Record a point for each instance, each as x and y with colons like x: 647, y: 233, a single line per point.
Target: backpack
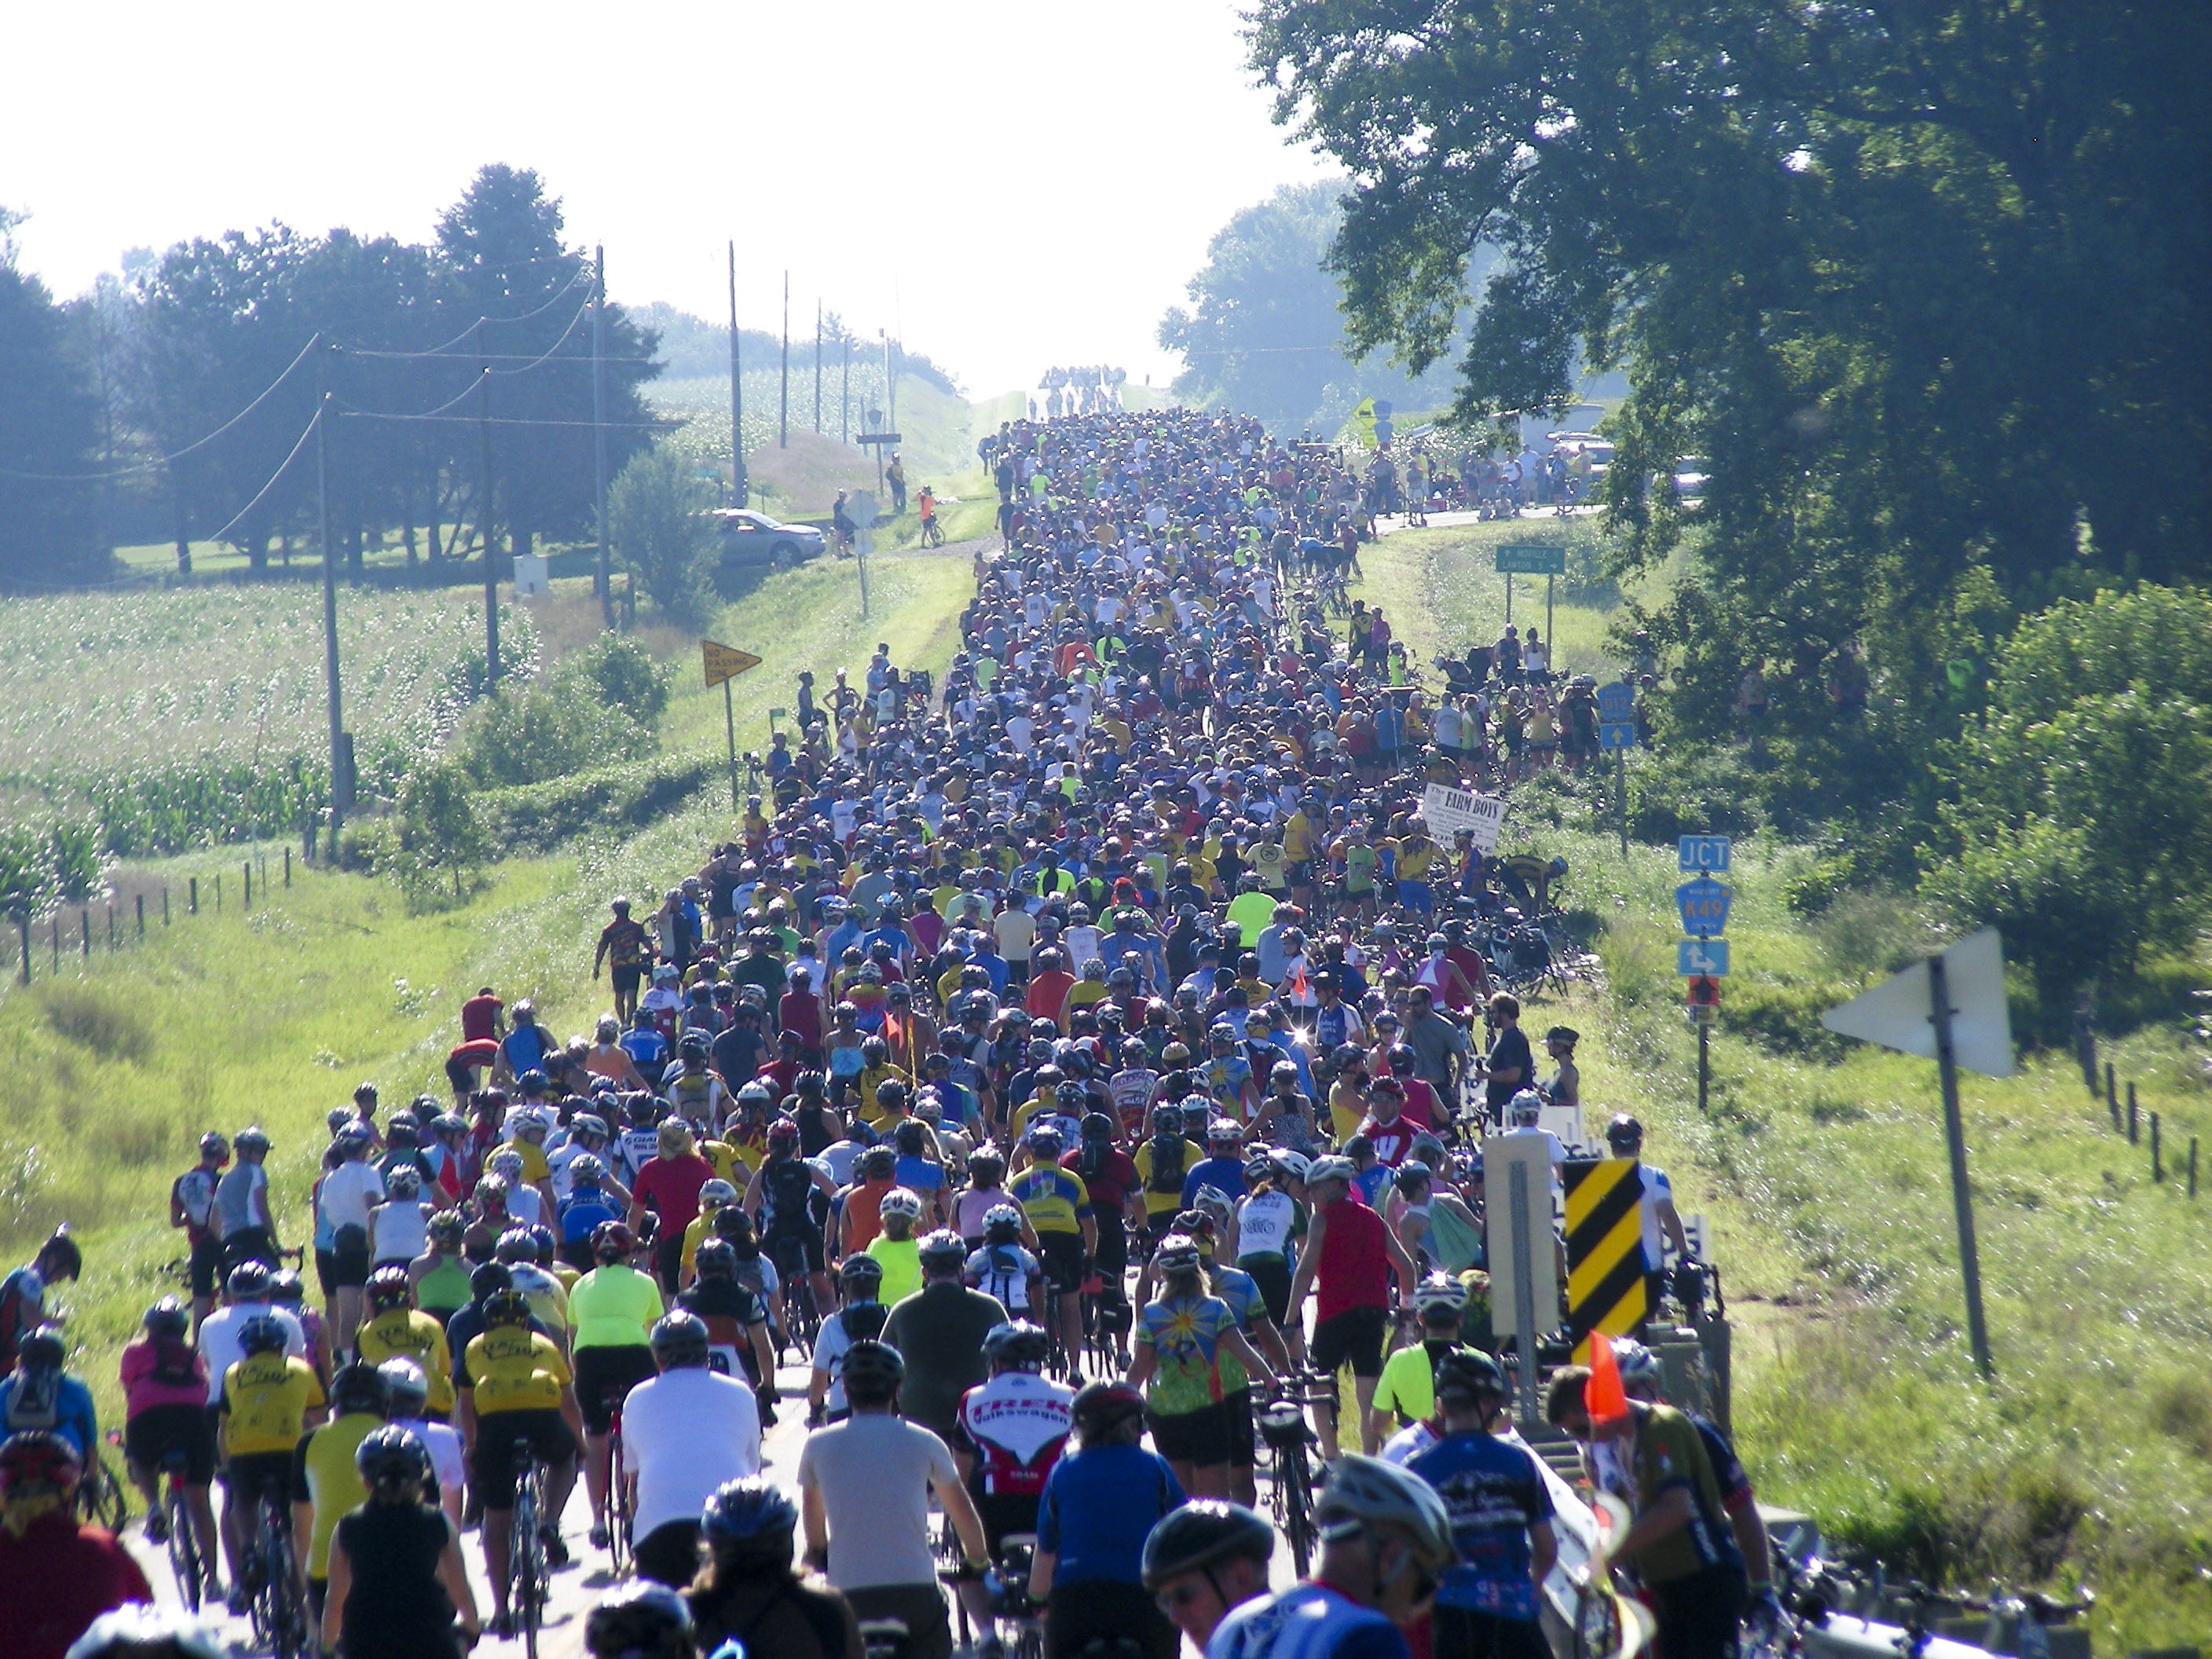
x: 869, y: 1326
x: 1167, y: 1165
x: 36, y: 1401
x: 13, y: 1295
x: 172, y: 1362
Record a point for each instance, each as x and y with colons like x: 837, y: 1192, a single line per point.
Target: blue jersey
x: 586, y: 1209
x: 1098, y: 1505
x: 647, y: 1048
x: 1494, y: 1493
x: 52, y: 1400
x: 1306, y: 1621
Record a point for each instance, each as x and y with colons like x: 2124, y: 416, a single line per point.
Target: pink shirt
x: 143, y: 1390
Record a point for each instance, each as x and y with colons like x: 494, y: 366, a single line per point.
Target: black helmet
x: 358, y: 1387
x: 262, y: 1333
x: 1468, y: 1374
x: 1097, y: 1126
x: 406, y: 1389
x: 876, y: 1362
x: 42, y: 1350
x: 214, y: 1145
x: 860, y: 1272
x: 392, y: 1459
x: 389, y: 1288
x: 509, y: 1307
x: 679, y: 1340
x: 752, y: 1516
x: 640, y: 1620
x: 1104, y: 1405
x: 717, y: 1258
x: 167, y: 1317
x: 248, y: 1281
x: 1019, y: 1345
x: 1202, y: 1535
x: 878, y: 1161
x: 1624, y: 1131
x: 515, y: 1245
x: 942, y: 1249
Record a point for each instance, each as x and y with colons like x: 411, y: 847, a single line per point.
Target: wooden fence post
x: 248, y: 867
x: 218, y: 893
x: 2133, y: 1136
x: 2192, y: 1166
x: 287, y: 865
x: 111, y: 927
x: 23, y: 927
x: 193, y: 903
x: 2157, y: 1161
x: 165, y: 904
x: 84, y: 927
x: 57, y: 941
x: 141, y: 916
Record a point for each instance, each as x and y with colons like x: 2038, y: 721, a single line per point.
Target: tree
x: 1915, y: 280
x: 2082, y: 824
x: 656, y: 519
x: 1268, y: 332
x: 48, y: 426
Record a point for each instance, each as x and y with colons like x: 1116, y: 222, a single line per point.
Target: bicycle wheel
x: 286, y: 1619
x: 619, y: 1515
x: 526, y: 1575
x: 184, y: 1545
x: 1297, y: 1508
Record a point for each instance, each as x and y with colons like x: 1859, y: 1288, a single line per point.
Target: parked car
x: 751, y: 540
x: 1597, y: 451
x: 1690, y: 477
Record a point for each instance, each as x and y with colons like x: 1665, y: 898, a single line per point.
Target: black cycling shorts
x: 1355, y: 1334
x: 605, y: 1377
x: 1061, y: 1255
x: 1465, y: 1633
x: 350, y: 1259
x: 158, y: 1430
x: 1003, y: 1514
x: 1199, y: 1437
x: 207, y: 1265
x: 796, y: 1252
x: 251, y: 1475
x: 494, y: 1470
x: 1244, y: 1436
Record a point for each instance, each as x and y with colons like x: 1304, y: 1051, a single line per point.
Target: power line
x: 581, y: 313
x: 447, y: 350
x: 271, y: 484
x: 466, y: 391
x: 499, y: 419
x: 155, y: 465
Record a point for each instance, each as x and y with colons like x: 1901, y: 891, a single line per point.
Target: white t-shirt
x: 445, y: 1449
x: 1264, y: 1224
x: 686, y: 1432
x: 219, y: 1339
x: 874, y: 1474
x: 348, y: 1191
x: 1656, y: 1187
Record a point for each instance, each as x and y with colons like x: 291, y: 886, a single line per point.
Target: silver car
x: 751, y: 540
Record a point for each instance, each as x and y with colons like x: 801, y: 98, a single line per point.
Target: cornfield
x: 176, y: 719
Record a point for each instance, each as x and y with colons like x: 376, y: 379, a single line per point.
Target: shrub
x: 539, y: 819
x: 621, y: 673
x: 655, y: 516
x: 1685, y: 790
x: 99, y: 1019
x: 541, y: 732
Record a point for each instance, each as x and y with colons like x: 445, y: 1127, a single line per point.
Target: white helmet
x: 1297, y: 1165
x: 902, y: 1200
x: 1440, y: 1291
x: 1526, y: 1107
x: 1365, y: 1492
x: 1331, y: 1169
x: 1638, y: 1365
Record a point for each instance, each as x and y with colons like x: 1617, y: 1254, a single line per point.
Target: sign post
x: 1545, y: 559
x: 860, y: 507
x: 1950, y: 1008
x: 1524, y: 1284
x: 1703, y: 957
x: 1616, y: 730
x: 724, y: 663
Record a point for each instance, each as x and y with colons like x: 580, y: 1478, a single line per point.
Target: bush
x: 438, y: 837
x: 1784, y: 1019
x: 541, y: 732
x: 540, y: 818
x: 1689, y: 790
x: 102, y: 1021
x: 656, y: 518
x: 622, y: 674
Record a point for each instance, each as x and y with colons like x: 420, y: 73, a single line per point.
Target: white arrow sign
x: 1898, y: 1012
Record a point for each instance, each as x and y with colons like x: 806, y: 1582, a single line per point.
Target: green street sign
x: 1531, y: 559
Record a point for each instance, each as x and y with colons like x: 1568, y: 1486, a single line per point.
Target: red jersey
x: 480, y: 1019
x: 1354, y: 1269
x: 56, y: 1578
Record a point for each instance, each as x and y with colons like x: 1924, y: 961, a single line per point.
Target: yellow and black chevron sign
x: 1605, y: 1248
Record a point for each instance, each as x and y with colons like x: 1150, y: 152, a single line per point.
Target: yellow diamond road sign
x: 725, y: 662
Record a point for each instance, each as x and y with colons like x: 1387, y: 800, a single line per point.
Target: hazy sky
x: 1017, y: 183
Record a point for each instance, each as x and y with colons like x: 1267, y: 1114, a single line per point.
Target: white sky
x: 1014, y: 183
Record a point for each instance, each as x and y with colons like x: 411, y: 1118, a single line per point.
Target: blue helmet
x: 753, y: 1516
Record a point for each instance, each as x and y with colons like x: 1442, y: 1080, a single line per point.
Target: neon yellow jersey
x: 1054, y: 1200
x: 266, y: 1398
x: 511, y: 1368
x: 614, y: 1307
x: 902, y: 1263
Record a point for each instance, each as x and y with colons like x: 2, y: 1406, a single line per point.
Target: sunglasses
x: 1176, y: 1597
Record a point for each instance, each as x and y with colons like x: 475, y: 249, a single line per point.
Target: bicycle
x: 620, y: 1554
x: 102, y: 1499
x: 1283, y: 1427
x: 932, y: 533
x: 1008, y: 1582
x: 175, y: 1512
x: 275, y: 1607
x: 527, y: 1571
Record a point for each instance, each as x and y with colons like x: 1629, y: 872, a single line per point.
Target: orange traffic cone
x: 1603, y: 1397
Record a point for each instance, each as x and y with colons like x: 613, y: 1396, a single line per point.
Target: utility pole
x: 783, y: 398
x: 845, y: 395
x: 890, y: 384
x: 736, y: 392
x: 484, y: 516
x: 604, y: 580
x: 817, y: 363
x: 341, y: 772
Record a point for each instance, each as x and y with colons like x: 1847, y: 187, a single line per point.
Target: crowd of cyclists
x: 1037, y: 1047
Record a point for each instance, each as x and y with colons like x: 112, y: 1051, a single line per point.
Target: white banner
x: 1448, y: 811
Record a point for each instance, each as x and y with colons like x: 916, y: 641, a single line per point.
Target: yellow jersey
x: 266, y: 1398
x: 410, y: 1333
x: 510, y: 1368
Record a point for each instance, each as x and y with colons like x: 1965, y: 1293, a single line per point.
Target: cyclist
x: 1002, y: 1269
x: 515, y: 1389
x: 614, y: 1308
x: 940, y: 1332
x: 896, y: 1246
x: 1111, y: 1176
x: 747, y: 1592
x: 862, y: 1317
x: 1678, y: 1543
x: 1349, y: 1256
x: 1385, y: 1540
x: 39, y: 1393
x: 23, y: 1292
x: 407, y: 1392
x: 641, y: 1619
x: 1237, y: 1289
x: 165, y: 1388
x: 1058, y: 1206
x: 1271, y: 1224
x: 866, y: 1483
x: 787, y: 1198
x: 549, y: 1299
x: 1204, y: 1559
x: 242, y: 1213
x: 398, y: 1228
x: 343, y: 1198
x: 324, y: 1480
x: 270, y: 1398
x: 397, y: 1329
x: 399, y: 1587
x: 1162, y: 1162
x: 861, y: 1218
x: 1008, y: 1433
x: 1405, y: 1394
x: 191, y: 1206
x: 1662, y: 1223
x: 1101, y: 1502
x: 684, y: 1433
x: 56, y: 1576
x: 593, y: 1200
x: 440, y: 1273
x: 1501, y: 1519
x: 1180, y: 1337
x: 985, y: 1192
x: 736, y: 1317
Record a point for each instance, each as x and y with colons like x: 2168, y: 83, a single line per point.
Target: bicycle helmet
x: 167, y: 1317
x: 506, y: 1163
x: 1213, y: 1204
x: 861, y: 1276
x: 447, y: 1230
x: 1069, y: 1096
x: 679, y: 1340
x: 586, y: 1170
x: 1525, y: 1108
x: 507, y: 1306
x: 878, y: 1363
x: 1105, y: 1406
x: 406, y: 1389
x: 392, y: 1460
x: 252, y: 1140
x: 1178, y: 1253
x: 986, y: 1168
x: 358, y: 1387
x: 716, y: 1192
x: 38, y: 1460
x: 587, y: 1125
x: 1624, y: 1134
x: 1043, y: 1140
x: 1468, y: 1374
x: 1097, y: 1126
x: 1017, y: 1345
x: 783, y: 1132
x: 1167, y: 1119
x: 42, y: 1350
x: 286, y: 1289
x: 1002, y: 1224
x: 1331, y: 1169
x: 879, y: 1163
x: 389, y: 1288
x: 717, y: 1258
x: 750, y: 1517
x: 1366, y: 1493
x: 942, y: 1251
x: 1202, y: 1534
x: 214, y: 1145
x: 902, y: 1200
x: 611, y: 1241
x: 404, y: 1182
x: 515, y: 1245
x: 1297, y: 1165
x: 692, y: 1045
x: 640, y: 1620
x: 1223, y: 1131
x: 533, y: 1081
x: 262, y: 1333
x: 1439, y: 1292
x: 1639, y: 1366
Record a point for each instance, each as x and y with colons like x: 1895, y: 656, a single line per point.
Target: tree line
x: 171, y: 402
